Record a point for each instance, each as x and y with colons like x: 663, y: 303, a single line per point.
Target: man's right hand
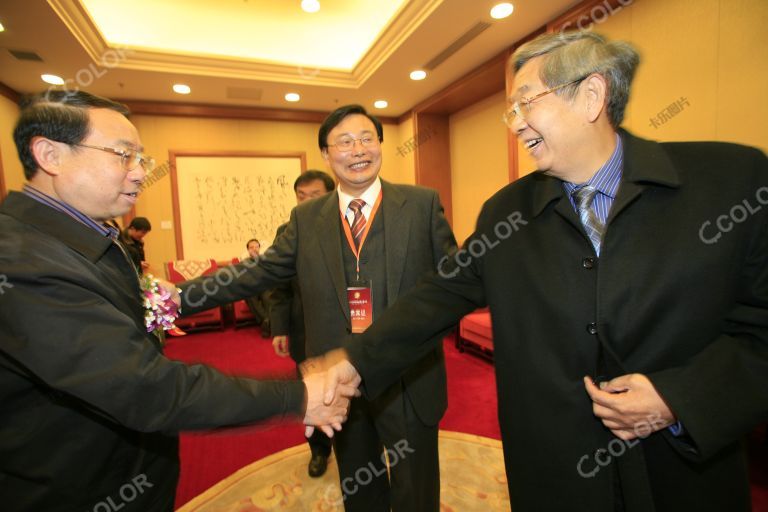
x: 280, y: 344
x: 326, y: 416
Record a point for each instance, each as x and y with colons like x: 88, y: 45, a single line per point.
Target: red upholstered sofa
x: 183, y: 270
x: 476, y: 334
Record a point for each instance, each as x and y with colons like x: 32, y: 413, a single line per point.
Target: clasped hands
x: 331, y: 382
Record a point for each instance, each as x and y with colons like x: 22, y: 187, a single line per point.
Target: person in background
x: 89, y: 405
x: 354, y: 251
x: 132, y: 239
x: 287, y: 314
x: 253, y: 246
x: 628, y: 288
x: 257, y: 304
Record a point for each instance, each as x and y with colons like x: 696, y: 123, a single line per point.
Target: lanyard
x: 348, y: 232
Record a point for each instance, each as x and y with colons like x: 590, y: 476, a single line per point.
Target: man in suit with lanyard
x: 354, y: 252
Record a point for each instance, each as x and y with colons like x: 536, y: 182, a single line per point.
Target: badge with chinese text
x: 360, y: 307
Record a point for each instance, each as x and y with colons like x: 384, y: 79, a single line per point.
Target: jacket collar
x: 45, y: 219
x: 645, y: 163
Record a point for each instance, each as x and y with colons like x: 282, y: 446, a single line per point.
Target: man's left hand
x: 170, y: 288
x: 629, y: 406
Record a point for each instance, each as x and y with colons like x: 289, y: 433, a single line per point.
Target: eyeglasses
x: 348, y: 143
x: 523, y: 107
x: 130, y: 158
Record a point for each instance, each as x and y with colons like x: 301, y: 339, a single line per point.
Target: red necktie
x: 358, y: 223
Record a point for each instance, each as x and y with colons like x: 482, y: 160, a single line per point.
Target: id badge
x: 360, y: 306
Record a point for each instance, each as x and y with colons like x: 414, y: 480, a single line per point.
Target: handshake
x: 331, y: 382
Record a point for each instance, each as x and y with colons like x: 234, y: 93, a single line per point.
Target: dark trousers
x: 388, y: 424
x: 258, y: 309
x: 319, y: 443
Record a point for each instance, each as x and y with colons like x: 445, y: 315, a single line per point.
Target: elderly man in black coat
x: 628, y: 286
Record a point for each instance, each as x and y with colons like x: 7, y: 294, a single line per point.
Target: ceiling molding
x: 79, y: 23
x: 159, y: 108
x: 404, y: 24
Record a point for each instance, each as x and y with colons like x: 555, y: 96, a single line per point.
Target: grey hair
x: 572, y: 55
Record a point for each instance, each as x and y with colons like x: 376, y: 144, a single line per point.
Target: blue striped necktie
x: 584, y: 197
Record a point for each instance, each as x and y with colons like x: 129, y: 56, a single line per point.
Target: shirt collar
x: 370, y: 196
x: 607, y: 178
x: 47, y: 200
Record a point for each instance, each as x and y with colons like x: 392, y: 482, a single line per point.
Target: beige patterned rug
x: 471, y: 471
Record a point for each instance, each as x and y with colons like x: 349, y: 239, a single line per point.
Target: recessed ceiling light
x: 418, y: 75
x: 2, y: 28
x: 502, y: 10
x: 380, y: 104
x: 292, y: 97
x: 310, y: 5
x: 181, y: 89
x: 52, y: 79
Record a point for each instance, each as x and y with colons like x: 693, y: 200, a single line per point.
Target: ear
x: 596, y: 93
x: 324, y: 152
x: 47, y: 154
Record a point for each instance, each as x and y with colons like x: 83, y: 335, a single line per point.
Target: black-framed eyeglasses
x: 345, y: 144
x: 129, y: 157
x: 523, y: 106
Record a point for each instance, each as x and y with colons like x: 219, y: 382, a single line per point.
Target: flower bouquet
x: 160, y: 310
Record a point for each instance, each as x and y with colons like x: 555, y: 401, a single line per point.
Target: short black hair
x: 313, y: 175
x: 252, y: 240
x: 140, y: 224
x: 58, y: 115
x: 337, y: 116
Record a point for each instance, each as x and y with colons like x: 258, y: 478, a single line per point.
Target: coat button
x: 592, y: 328
x: 588, y: 263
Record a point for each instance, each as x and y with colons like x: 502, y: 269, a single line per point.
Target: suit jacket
x: 88, y: 403
x: 679, y: 293
x: 286, y: 313
x: 417, y: 237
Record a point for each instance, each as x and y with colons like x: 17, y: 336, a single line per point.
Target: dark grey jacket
x: 679, y: 293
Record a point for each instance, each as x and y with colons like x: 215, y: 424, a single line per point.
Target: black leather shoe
x: 317, y: 465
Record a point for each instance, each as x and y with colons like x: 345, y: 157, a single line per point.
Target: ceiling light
x: 2, y: 28
x: 52, y: 79
x: 292, y: 97
x: 380, y: 104
x: 418, y: 75
x: 502, y: 10
x: 310, y: 5
x: 181, y: 89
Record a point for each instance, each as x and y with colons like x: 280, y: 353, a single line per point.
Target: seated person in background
x: 132, y: 239
x: 257, y: 303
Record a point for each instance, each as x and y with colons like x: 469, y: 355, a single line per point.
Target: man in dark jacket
x: 90, y: 408
x: 628, y: 287
x: 132, y: 239
x: 286, y: 314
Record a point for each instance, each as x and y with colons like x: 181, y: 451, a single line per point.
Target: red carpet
x: 207, y: 458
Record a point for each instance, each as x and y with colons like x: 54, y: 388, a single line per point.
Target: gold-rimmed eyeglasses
x: 345, y: 144
x: 523, y: 106
x: 129, y: 157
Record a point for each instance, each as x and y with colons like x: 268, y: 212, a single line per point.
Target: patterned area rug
x: 471, y: 470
